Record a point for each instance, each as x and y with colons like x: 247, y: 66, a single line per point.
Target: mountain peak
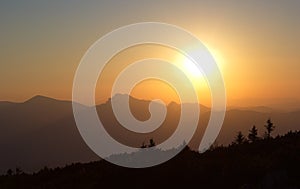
x: 40, y: 98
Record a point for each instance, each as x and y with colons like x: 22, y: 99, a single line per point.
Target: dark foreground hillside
x: 271, y: 163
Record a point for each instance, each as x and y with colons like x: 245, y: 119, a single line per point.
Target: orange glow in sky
x: 255, y: 44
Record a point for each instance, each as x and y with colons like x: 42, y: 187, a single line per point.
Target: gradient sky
x: 257, y: 42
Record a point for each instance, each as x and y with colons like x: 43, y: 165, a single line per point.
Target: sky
x: 256, y: 43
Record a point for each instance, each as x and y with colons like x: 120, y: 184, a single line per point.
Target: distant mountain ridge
x: 42, y: 132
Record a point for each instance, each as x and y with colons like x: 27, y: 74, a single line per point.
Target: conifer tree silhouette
x: 18, y: 171
x: 9, y: 172
x: 152, y: 143
x: 144, y: 145
x: 270, y: 128
x: 239, y: 139
x: 252, y: 136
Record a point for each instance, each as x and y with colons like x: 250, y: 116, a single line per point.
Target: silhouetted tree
x: 152, y: 143
x: 144, y: 145
x: 252, y: 136
x: 214, y: 146
x: 45, y: 169
x: 9, y: 172
x: 264, y: 164
x: 270, y: 128
x: 239, y: 139
x: 18, y: 171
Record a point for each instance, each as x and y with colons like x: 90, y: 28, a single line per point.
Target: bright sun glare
x: 190, y: 67
x: 191, y: 70
x: 195, y: 75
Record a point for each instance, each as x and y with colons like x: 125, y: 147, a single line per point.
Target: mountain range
x: 42, y: 131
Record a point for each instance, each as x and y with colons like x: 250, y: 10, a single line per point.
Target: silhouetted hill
x: 42, y: 131
x: 269, y: 163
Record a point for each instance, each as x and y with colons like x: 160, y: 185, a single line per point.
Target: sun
x: 190, y: 68
x: 195, y: 75
x: 187, y: 66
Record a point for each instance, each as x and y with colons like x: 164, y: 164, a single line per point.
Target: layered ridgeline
x: 42, y: 131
